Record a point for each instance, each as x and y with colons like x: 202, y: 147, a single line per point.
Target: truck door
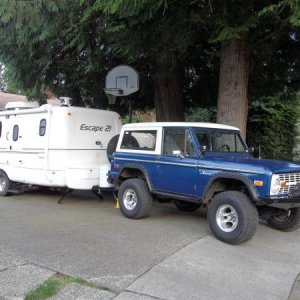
x: 177, y: 166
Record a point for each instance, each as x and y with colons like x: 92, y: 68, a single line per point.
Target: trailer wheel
x: 135, y: 198
x: 4, y: 183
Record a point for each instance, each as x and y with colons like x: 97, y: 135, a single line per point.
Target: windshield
x: 218, y: 140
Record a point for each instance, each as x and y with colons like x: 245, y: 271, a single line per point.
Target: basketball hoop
x: 111, y: 98
x: 122, y: 81
x: 114, y: 91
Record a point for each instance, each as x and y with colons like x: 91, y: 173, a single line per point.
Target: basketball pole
x: 130, y: 109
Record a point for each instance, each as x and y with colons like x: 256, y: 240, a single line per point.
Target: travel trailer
x: 55, y: 146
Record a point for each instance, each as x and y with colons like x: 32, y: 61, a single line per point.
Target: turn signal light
x: 283, y: 184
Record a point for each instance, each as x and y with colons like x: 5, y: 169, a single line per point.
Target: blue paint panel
x: 190, y: 175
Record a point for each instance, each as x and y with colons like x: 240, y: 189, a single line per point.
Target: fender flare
x: 135, y: 167
x: 237, y: 177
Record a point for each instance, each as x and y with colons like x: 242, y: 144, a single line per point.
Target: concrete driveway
x: 170, y: 255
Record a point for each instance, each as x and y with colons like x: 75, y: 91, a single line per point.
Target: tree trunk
x: 233, y: 85
x: 168, y: 95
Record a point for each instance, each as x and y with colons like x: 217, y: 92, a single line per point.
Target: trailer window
x: 15, y: 133
x: 43, y: 125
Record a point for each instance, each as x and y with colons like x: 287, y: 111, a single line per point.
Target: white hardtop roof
x: 179, y: 124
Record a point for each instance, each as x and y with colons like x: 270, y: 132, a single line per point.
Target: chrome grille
x: 291, y: 180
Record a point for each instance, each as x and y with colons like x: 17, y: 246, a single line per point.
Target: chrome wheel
x: 129, y: 199
x: 227, y: 218
x: 2, y: 184
x: 283, y: 217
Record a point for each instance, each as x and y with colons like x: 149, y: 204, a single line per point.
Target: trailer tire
x: 5, y: 183
x: 135, y: 198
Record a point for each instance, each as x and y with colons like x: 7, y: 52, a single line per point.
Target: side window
x: 139, y: 140
x: 43, y: 125
x: 0, y: 129
x: 16, y: 133
x: 178, y: 141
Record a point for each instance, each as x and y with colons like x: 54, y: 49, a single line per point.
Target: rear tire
x: 186, y: 206
x: 135, y: 199
x: 5, y: 183
x: 232, y: 217
x: 287, y: 221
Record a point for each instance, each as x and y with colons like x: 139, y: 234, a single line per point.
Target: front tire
x: 186, y: 206
x: 288, y: 220
x: 5, y: 183
x: 232, y: 217
x: 135, y: 199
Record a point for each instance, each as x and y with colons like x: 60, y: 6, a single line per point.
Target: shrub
x: 272, y: 126
x: 199, y: 114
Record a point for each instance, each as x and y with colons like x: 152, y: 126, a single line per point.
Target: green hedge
x: 272, y: 126
x: 200, y: 114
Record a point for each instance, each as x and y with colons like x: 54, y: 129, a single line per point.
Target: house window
x: 43, y: 125
x: 15, y: 133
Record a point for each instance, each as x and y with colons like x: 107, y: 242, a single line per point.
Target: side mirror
x: 203, y: 149
x: 251, y: 150
x: 256, y: 152
x: 177, y: 153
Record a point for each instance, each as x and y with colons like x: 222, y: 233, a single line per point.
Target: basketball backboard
x: 122, y: 80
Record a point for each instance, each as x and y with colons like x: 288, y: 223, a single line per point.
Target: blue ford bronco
x: 203, y: 165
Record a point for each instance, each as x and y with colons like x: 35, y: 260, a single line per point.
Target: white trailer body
x: 57, y: 146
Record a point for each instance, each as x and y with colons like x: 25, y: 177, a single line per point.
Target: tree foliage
x: 272, y: 126
x: 51, y: 44
x: 67, y: 47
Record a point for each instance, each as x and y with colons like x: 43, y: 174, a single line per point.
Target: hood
x: 244, y: 163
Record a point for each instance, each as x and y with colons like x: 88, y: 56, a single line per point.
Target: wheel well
x: 130, y: 173
x: 225, y: 184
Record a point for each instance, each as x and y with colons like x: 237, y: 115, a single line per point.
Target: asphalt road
x: 170, y: 255
x: 90, y: 238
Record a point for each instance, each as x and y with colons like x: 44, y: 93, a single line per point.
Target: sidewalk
x: 267, y: 267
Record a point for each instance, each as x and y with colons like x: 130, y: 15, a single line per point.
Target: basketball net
x: 111, y: 98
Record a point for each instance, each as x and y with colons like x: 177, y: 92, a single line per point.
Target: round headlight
x: 275, y: 186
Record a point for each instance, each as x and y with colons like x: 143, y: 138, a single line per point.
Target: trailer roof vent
x: 20, y: 105
x: 65, y: 101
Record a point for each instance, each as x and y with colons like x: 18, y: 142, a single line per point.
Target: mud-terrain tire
x: 232, y: 217
x: 287, y: 221
x: 135, y: 198
x: 5, y: 183
x: 186, y: 206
